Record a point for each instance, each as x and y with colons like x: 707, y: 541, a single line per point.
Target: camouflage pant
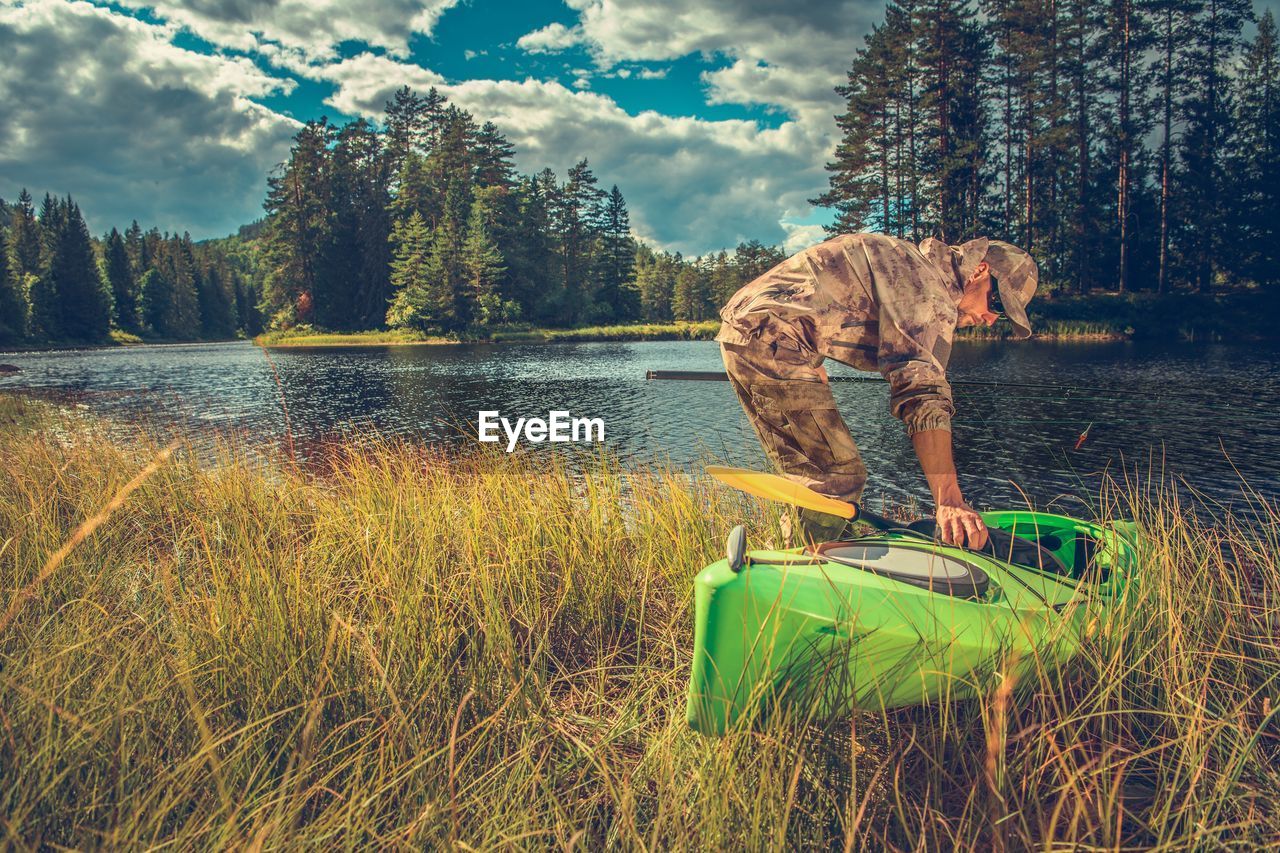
x: 795, y: 416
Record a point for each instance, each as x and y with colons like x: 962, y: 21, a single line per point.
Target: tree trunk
x: 1122, y: 202
x: 1209, y: 215
x: 1165, y: 151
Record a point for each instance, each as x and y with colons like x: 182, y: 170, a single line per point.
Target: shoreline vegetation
x: 1239, y: 316
x: 703, y: 331
x: 307, y: 337
x: 401, y: 648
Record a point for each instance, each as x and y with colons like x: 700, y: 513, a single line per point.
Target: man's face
x: 975, y: 305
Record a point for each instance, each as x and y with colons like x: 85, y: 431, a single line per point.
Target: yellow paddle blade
x: 775, y: 488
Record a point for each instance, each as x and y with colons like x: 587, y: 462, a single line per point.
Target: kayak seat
x: 1018, y: 550
x: 918, y: 566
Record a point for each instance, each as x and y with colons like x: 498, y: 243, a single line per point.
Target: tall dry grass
x: 401, y: 649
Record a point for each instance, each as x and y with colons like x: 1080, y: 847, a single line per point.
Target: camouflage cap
x: 961, y: 260
x: 1018, y: 278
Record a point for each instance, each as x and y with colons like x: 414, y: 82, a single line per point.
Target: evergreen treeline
x: 1126, y: 143
x: 60, y: 285
x: 425, y: 224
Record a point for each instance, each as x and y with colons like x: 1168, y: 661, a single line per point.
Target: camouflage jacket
x: 870, y: 301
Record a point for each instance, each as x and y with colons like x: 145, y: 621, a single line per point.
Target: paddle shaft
x: 879, y: 522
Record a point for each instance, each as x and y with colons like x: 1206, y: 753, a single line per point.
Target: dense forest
x: 1130, y: 144
x: 57, y: 283
x: 425, y: 224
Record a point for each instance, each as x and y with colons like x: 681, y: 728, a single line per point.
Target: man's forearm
x: 933, y: 447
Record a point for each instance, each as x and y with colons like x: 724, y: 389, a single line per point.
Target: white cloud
x: 653, y: 73
x: 132, y: 126
x: 800, y: 32
x: 551, y: 38
x: 801, y: 237
x: 789, y: 57
x: 312, y: 28
x: 786, y: 58
x: 366, y: 82
x: 751, y: 82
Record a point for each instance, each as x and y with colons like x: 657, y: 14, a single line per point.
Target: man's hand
x: 960, y: 524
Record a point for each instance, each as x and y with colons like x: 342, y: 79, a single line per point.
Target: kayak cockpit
x: 924, y: 567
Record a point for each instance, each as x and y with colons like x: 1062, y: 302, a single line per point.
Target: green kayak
x: 894, y: 618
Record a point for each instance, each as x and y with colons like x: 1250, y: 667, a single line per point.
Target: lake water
x: 1193, y: 411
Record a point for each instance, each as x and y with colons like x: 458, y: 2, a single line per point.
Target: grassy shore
x: 1051, y: 330
x: 1235, y: 316
x: 1065, y: 330
x: 394, y: 648
x: 306, y: 337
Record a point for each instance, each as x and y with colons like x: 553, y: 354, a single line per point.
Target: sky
x: 713, y: 117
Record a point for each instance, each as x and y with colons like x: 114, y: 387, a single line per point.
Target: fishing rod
x: 721, y: 376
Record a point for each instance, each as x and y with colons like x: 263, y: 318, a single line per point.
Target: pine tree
x: 13, y: 307
x: 1126, y: 38
x: 299, y: 223
x: 353, y: 280
x: 482, y: 269
x: 578, y: 225
x: 860, y: 174
x: 423, y: 299
x: 68, y: 300
x: 1033, y: 47
x: 171, y: 297
x: 154, y: 297
x: 1256, y: 165
x: 1213, y: 38
x: 23, y: 241
x: 217, y: 317
x: 1170, y: 19
x: 135, y: 248
x: 248, y: 320
x: 905, y: 87
x: 617, y: 298
x: 451, y: 167
x: 533, y: 272
x: 152, y: 248
x: 652, y: 300
x: 951, y: 56
x: 691, y: 296
x: 753, y: 259
x: 1081, y: 46
x: 415, y: 193
x: 119, y: 275
x: 496, y: 180
x: 494, y: 157
x: 86, y: 298
x: 412, y: 125
x: 724, y: 280
x: 45, y: 318
x: 1002, y: 82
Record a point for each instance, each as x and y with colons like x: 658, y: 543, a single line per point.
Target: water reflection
x: 1176, y: 406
